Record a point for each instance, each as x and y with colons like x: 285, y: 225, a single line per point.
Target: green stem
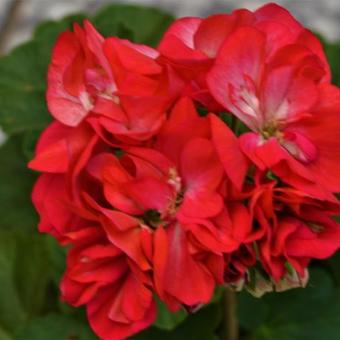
x: 230, y: 324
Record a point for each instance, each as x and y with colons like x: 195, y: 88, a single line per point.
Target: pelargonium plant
x: 211, y: 160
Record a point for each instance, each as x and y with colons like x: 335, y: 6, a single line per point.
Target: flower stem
x: 230, y: 324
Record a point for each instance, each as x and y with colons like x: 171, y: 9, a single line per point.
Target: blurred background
x: 18, y: 17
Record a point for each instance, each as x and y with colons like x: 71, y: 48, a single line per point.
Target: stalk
x: 230, y: 324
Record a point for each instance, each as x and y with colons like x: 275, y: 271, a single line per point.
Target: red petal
x: 130, y: 58
x: 150, y: 193
x: 229, y: 152
x: 63, y: 106
x: 183, y: 125
x: 274, y: 12
x: 182, y: 271
x: 129, y: 241
x: 318, y: 245
x: 239, y: 62
x: 178, y: 41
x: 110, y: 326
x: 200, y: 205
x: 212, y: 32
x: 201, y: 170
x: 52, y: 152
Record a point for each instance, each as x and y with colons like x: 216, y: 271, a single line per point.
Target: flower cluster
x: 213, y: 159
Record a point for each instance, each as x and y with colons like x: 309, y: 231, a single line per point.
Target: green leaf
x: 201, y: 325
x: 22, y: 89
x: 48, y: 31
x: 24, y: 276
x: 30, y: 139
x: 16, y: 210
x: 4, y: 335
x: 312, y: 313
x: 12, y: 313
x: 332, y: 52
x: 32, y: 272
x: 166, y: 319
x: 144, y: 25
x: 333, y: 265
x: 251, y: 312
x: 55, y: 327
x: 57, y: 255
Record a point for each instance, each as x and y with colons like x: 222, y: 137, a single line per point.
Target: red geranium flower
x: 113, y: 83
x: 116, y: 292
x: 157, y: 212
x: 192, y: 44
x: 170, y: 196
x: 280, y: 92
x: 289, y: 229
x: 152, y: 197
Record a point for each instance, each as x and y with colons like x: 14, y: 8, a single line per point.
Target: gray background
x: 321, y: 15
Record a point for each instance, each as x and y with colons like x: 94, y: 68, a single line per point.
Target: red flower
x: 115, y: 291
x: 169, y: 196
x: 61, y: 153
x: 289, y: 229
x: 98, y: 273
x: 296, y: 229
x: 161, y: 208
x: 114, y: 84
x: 280, y: 92
x: 194, y: 41
x: 192, y: 44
